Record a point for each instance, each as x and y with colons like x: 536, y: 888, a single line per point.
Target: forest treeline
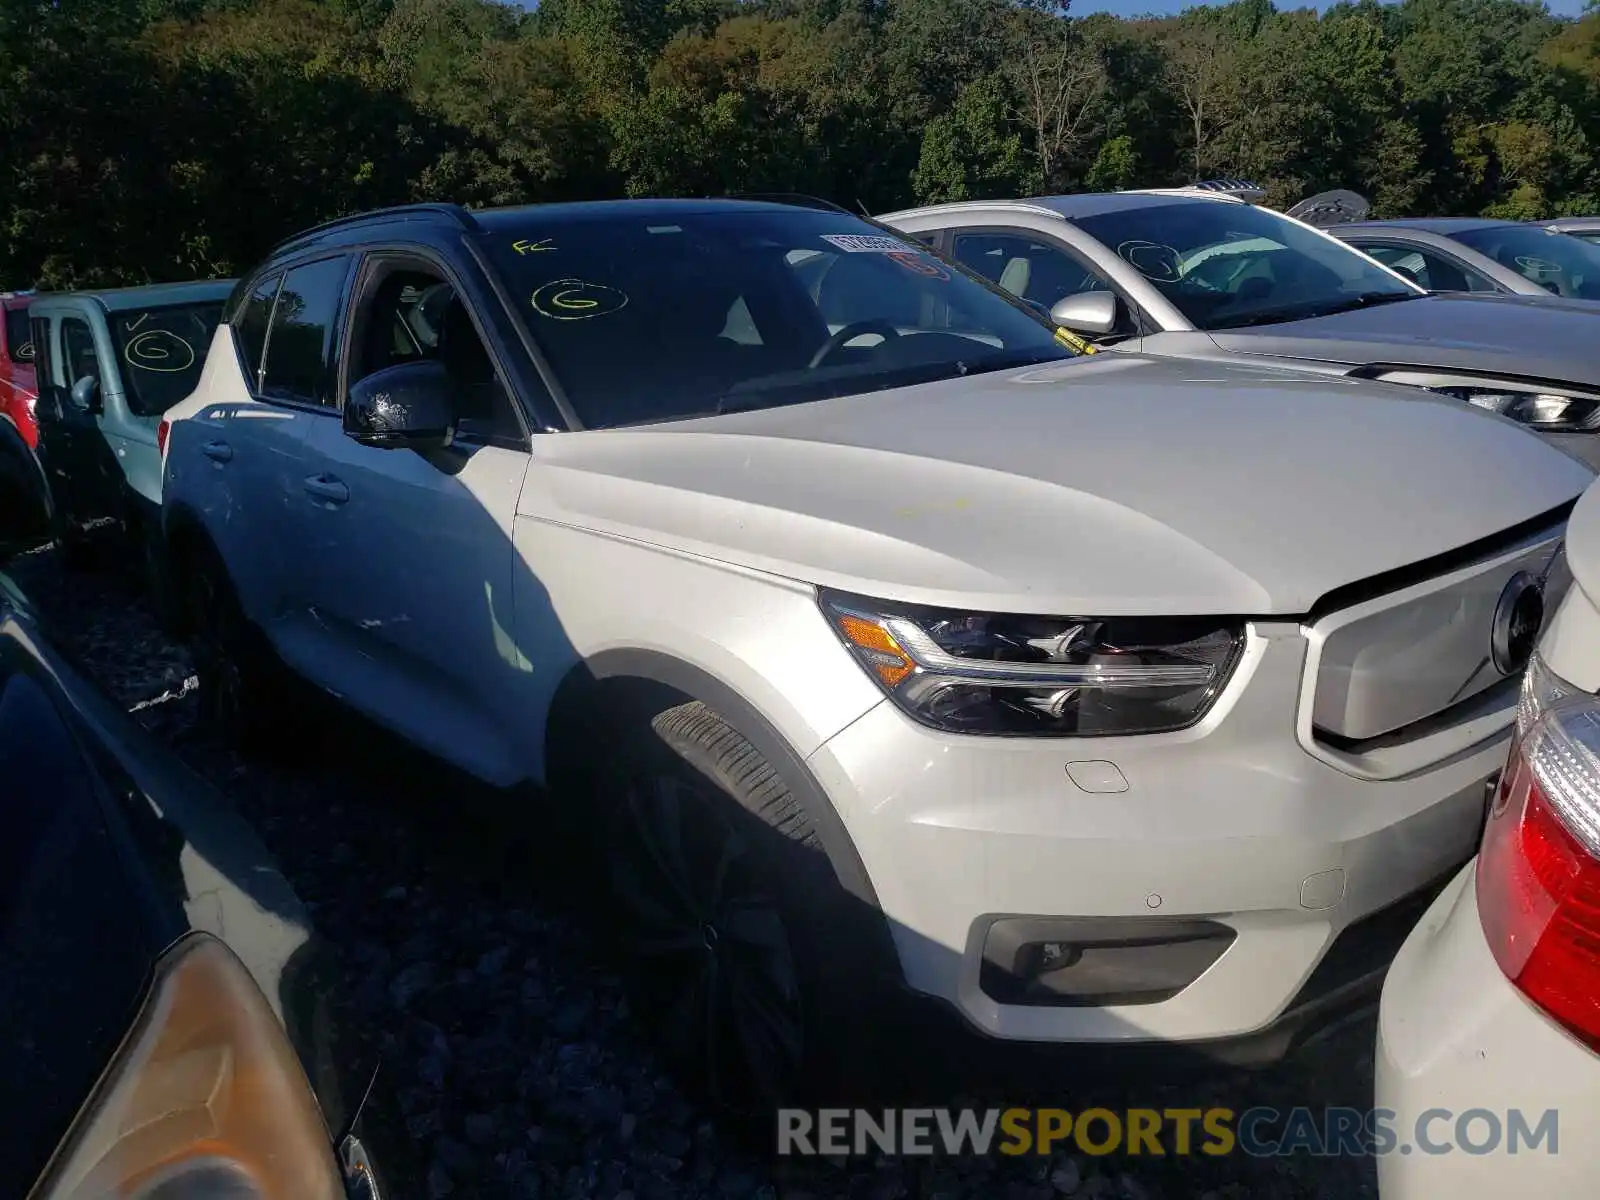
x: 170, y: 139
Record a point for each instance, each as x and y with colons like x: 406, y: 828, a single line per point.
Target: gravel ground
x: 518, y: 1069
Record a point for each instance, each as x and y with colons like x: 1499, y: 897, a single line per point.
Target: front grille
x: 1401, y: 666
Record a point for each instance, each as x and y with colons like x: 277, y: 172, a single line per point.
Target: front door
x: 83, y: 472
x: 403, y: 589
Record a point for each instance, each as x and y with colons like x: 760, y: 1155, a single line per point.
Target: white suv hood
x: 1111, y: 485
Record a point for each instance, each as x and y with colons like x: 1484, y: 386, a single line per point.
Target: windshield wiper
x: 1364, y: 300
x: 1303, y: 312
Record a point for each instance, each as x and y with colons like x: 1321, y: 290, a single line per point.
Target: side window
x: 406, y: 311
x: 303, y: 340
x: 1427, y: 268
x: 1031, y: 268
x: 250, y: 322
x: 78, y: 351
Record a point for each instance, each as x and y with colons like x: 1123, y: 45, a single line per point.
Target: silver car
x: 1198, y: 274
x: 1587, y: 228
x: 1476, y: 254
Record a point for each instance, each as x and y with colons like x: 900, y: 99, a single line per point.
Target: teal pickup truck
x: 108, y: 364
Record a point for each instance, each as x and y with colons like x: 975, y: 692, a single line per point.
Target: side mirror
x: 86, y: 394
x: 1093, y: 314
x: 409, y: 406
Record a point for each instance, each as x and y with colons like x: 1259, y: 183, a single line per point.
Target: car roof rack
x: 1243, y: 189
x: 454, y: 212
x: 798, y: 199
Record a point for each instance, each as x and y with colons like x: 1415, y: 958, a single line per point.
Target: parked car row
x: 863, y: 634
x: 1205, y: 275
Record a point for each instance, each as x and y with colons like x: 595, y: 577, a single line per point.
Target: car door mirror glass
x: 1093, y: 314
x: 86, y: 394
x: 407, y: 406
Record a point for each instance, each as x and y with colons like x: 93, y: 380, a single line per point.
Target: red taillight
x: 1539, y: 869
x: 161, y: 436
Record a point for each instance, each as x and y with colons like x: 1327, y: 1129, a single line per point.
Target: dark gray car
x: 172, y: 1023
x: 1477, y: 254
x: 1197, y: 274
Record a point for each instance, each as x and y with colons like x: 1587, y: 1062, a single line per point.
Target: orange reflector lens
x: 881, y: 652
x: 205, y: 1097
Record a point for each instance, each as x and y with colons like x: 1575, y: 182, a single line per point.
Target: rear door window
x: 303, y: 340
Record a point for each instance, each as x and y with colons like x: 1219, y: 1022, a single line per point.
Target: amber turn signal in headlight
x: 1029, y: 676
x: 205, y: 1098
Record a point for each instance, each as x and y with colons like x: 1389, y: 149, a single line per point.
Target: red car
x: 18, y: 391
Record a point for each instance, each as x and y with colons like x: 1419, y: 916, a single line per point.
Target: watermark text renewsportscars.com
x: 1258, y: 1132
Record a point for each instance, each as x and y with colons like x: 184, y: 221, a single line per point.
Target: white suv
x: 1489, y: 1037
x: 865, y: 627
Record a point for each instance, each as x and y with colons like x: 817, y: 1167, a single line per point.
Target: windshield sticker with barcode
x: 867, y: 243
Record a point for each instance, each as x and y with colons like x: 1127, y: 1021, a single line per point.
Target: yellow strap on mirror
x: 1067, y: 338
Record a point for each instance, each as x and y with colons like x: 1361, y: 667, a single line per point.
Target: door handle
x: 217, y: 451
x: 327, y: 488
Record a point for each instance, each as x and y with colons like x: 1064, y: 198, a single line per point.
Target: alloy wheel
x: 709, y: 947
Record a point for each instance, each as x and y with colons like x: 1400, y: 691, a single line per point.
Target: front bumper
x: 1453, y: 1037
x: 1298, y: 850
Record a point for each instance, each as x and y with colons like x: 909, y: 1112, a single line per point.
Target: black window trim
x: 553, y: 390
x: 1143, y: 323
x: 370, y: 256
x: 252, y: 378
x: 43, y: 355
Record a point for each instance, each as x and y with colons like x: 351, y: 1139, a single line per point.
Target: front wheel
x: 744, y: 956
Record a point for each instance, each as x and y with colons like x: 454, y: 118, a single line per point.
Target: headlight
x: 1026, y: 676
x: 1542, y: 690
x: 1550, y: 411
x: 1546, y: 410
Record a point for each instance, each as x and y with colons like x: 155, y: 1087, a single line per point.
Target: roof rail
x: 454, y: 211
x: 798, y: 199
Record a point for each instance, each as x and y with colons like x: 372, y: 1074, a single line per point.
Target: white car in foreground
x: 864, y: 627
x: 1493, y: 1004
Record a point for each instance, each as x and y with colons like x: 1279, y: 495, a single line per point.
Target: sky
x: 1135, y: 8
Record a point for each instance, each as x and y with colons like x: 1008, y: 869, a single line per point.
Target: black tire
x: 755, y: 970
x: 248, y: 699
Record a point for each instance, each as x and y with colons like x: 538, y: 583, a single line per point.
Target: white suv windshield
x: 648, y: 315
x: 1226, y: 265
